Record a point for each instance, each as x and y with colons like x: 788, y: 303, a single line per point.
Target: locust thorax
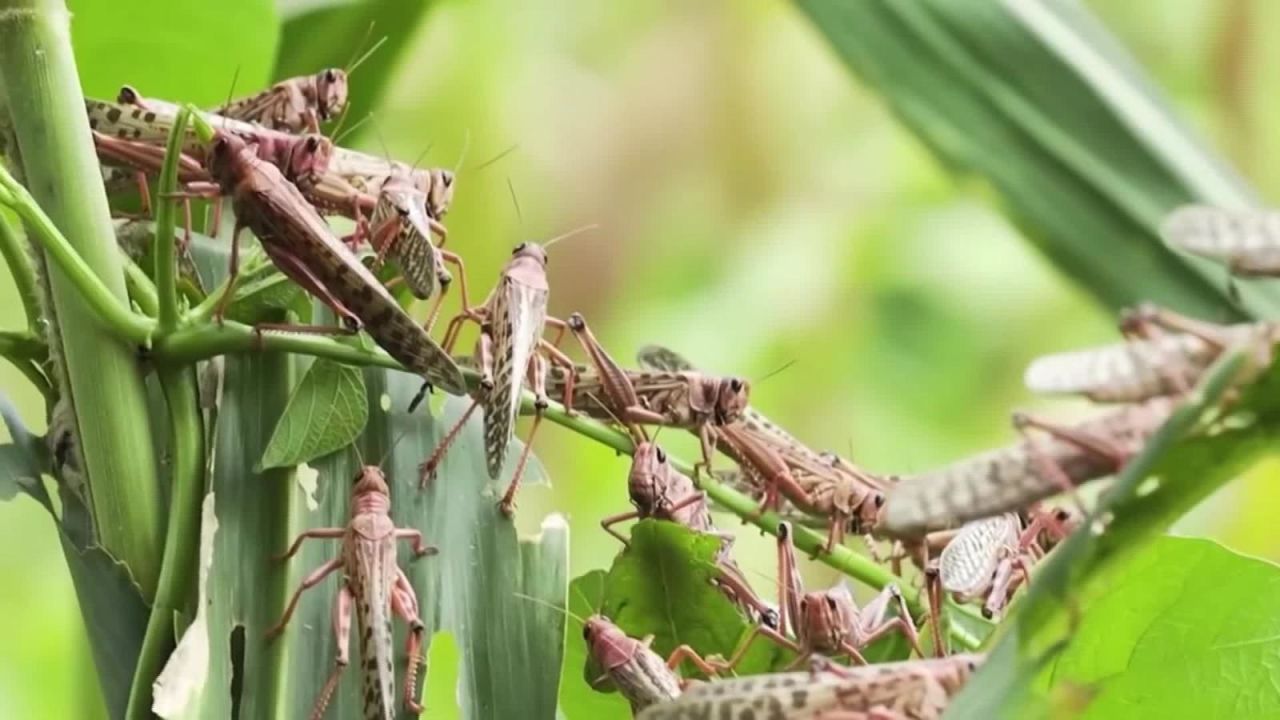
x: 607, y: 644
x: 330, y: 87
x: 370, y: 493
x: 825, y: 619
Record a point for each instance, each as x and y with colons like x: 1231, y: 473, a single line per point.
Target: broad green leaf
x: 335, y: 35
x: 15, y: 475
x: 1036, y: 99
x: 1179, y: 613
x: 326, y: 412
x: 662, y: 585
x: 178, y: 51
x: 22, y: 460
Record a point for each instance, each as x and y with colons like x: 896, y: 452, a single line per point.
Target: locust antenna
x: 392, y: 448
x: 776, y: 371
x: 553, y: 606
x: 511, y: 188
x: 338, y: 136
x: 633, y: 428
x: 571, y: 233
x: 466, y: 145
x: 353, y: 64
x: 495, y: 158
x: 422, y: 154
x: 359, y: 455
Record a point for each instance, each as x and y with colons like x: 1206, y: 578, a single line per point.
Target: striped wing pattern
x: 372, y: 567
x: 516, y: 320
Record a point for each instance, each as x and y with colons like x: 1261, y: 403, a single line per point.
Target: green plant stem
x: 178, y: 570
x: 101, y: 298
x: 97, y: 333
x: 141, y: 288
x: 33, y: 375
x: 163, y: 246
x: 22, y: 269
x: 198, y: 343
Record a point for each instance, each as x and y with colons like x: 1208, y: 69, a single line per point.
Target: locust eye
x: 519, y: 248
x: 831, y: 604
x: 313, y: 143
x: 879, y: 500
x: 973, y: 666
x: 447, y: 179
x: 735, y: 385
x: 662, y: 455
x: 330, y: 75
x: 586, y: 632
x: 404, y: 211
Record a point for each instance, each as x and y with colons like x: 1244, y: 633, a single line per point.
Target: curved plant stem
x: 96, y: 334
x: 141, y: 289
x: 104, y: 301
x: 14, y: 251
x: 190, y: 345
x: 33, y: 375
x: 178, y: 569
x: 166, y: 263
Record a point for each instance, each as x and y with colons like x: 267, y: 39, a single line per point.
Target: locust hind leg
x: 404, y: 603
x: 538, y: 373
x: 427, y: 470
x: 341, y: 631
x: 1049, y: 468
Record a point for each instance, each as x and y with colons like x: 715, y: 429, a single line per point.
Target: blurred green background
x: 756, y: 207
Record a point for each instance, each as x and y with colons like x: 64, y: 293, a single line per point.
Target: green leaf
x: 662, y: 585
x: 1085, y: 155
x: 1186, y: 599
x: 336, y: 35
x: 326, y: 412
x: 22, y: 460
x: 176, y: 51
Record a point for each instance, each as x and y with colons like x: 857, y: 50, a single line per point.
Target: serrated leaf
x: 326, y: 412
x: 662, y: 585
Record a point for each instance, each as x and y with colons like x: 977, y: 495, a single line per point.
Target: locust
x: 818, y: 483
x: 303, y: 247
x: 509, y: 349
x: 631, y: 665
x: 829, y: 621
x: 658, y: 490
x: 337, y: 178
x: 296, y: 104
x: 1165, y: 355
x: 989, y: 559
x: 686, y: 399
x: 400, y: 229
x: 379, y: 589
x: 1246, y: 241
x: 1014, y: 476
x: 909, y: 690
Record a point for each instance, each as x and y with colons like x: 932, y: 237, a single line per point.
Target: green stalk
x: 178, y: 571
x: 14, y: 251
x: 166, y: 264
x: 207, y: 341
x: 104, y: 384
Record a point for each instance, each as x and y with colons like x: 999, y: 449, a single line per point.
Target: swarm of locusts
x: 975, y: 529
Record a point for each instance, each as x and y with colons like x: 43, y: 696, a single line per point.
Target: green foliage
x: 326, y: 412
x: 1082, y: 152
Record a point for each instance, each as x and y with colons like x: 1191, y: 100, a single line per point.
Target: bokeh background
x: 756, y: 207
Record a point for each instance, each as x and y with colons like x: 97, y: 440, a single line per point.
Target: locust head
x: 225, y: 156
x: 439, y: 190
x: 957, y: 671
x: 731, y: 396
x: 825, y: 618
x: 608, y: 645
x: 528, y: 265
x: 308, y: 157
x: 650, y: 475
x: 331, y: 92
x: 369, y: 492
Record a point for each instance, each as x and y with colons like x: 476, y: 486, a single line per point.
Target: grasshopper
x: 1246, y: 241
x: 294, y: 105
x: 990, y: 559
x: 660, y: 491
x: 401, y: 230
x: 630, y: 665
x: 512, y: 320
x: 301, y: 245
x: 685, y: 399
x: 829, y: 621
x: 379, y: 589
x: 1017, y: 475
x: 1165, y: 355
x: 817, y: 483
x: 910, y: 690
